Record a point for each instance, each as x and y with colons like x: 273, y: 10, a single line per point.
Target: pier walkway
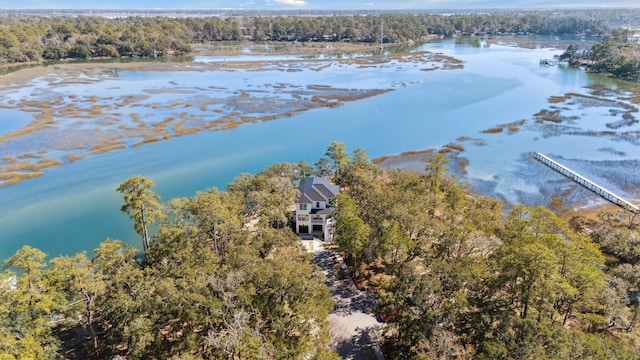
x: 588, y: 184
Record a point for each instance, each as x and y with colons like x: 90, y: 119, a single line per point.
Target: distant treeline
x: 38, y: 38
x: 612, y: 17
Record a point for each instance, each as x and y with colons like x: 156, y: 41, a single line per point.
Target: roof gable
x: 303, y: 199
x: 325, y: 191
x: 315, y: 195
x: 316, y: 189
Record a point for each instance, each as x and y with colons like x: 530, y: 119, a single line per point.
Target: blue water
x: 13, y: 120
x: 75, y: 206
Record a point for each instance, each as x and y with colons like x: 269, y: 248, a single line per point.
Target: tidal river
x: 490, y: 110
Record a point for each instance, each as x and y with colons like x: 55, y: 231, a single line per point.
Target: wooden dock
x: 586, y: 183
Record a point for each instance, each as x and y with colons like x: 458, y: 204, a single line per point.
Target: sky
x: 313, y: 4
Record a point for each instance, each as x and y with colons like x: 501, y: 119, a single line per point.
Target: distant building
x: 314, y: 208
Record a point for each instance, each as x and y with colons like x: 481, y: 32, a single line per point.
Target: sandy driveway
x: 354, y: 328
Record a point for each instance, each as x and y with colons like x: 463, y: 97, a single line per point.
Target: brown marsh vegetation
x: 512, y: 127
x: 610, y: 113
x: 15, y: 171
x: 76, y: 125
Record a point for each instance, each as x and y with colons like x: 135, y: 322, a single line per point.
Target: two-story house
x: 314, y: 208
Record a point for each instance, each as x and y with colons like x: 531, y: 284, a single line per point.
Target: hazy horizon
x: 316, y: 4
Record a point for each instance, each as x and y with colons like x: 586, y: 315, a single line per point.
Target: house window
x: 303, y: 217
x: 303, y: 206
x: 317, y: 204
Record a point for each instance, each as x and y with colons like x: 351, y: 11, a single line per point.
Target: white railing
x: 586, y: 183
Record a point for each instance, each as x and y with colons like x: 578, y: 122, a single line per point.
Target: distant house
x: 314, y: 208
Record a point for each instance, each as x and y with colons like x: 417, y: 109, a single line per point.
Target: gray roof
x: 316, y: 189
x: 325, y: 191
x: 315, y: 195
x: 327, y: 211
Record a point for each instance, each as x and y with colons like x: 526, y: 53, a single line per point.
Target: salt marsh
x: 488, y: 106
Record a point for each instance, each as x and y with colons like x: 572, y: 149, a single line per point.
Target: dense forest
x: 218, y: 281
x: 617, y: 54
x: 41, y: 38
x: 466, y: 279
x: 222, y: 275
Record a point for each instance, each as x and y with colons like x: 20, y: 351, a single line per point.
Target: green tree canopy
x: 141, y: 204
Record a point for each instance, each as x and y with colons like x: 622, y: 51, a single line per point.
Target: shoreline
x: 23, y: 201
x: 18, y: 167
x: 589, y: 206
x: 173, y: 63
x: 248, y: 48
x: 557, y: 193
x: 216, y: 109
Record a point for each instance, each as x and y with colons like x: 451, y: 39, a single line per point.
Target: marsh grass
x: 174, y: 103
x: 592, y: 101
x: 600, y: 90
x: 452, y: 66
x: 618, y: 101
x: 15, y: 172
x: 462, y: 165
x: 9, y: 159
x: 495, y: 130
x: 92, y: 112
x: 476, y: 141
x: 149, y: 140
x: 417, y: 152
x: 557, y: 99
x: 103, y: 147
x: 179, y: 129
x: 229, y: 125
x: 448, y: 63
x: 514, y: 126
x: 619, y: 174
x: 454, y: 146
x: 381, y: 159
x: 129, y: 100
x: 406, y: 156
x: 74, y: 157
x: 14, y: 177
x: 83, y: 124
x: 320, y: 68
x: 41, y: 121
x: 546, y: 115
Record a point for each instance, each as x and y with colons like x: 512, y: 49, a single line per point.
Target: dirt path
x: 353, y: 325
